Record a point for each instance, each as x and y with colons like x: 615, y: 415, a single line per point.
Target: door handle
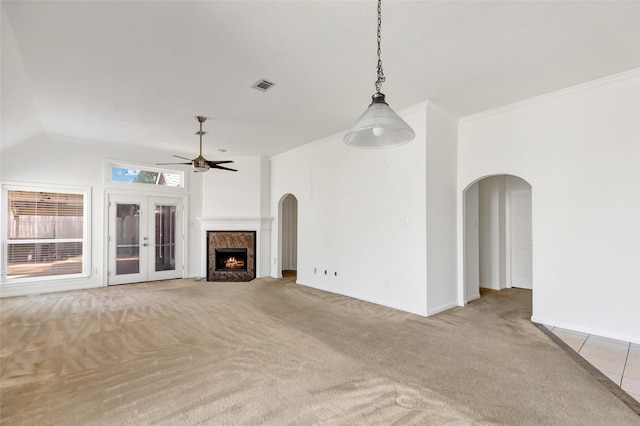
x: 145, y: 244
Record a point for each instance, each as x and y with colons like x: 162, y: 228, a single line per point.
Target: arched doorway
x: 497, y: 235
x: 288, y: 235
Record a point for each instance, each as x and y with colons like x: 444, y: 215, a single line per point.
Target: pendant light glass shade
x: 379, y: 127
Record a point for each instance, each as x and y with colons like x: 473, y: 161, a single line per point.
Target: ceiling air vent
x: 263, y: 85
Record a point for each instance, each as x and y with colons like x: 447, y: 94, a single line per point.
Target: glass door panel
x: 145, y: 238
x: 127, y: 238
x: 165, y: 233
x: 128, y: 249
x: 165, y: 230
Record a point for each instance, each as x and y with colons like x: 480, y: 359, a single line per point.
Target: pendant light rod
x: 380, y: 79
x: 379, y: 126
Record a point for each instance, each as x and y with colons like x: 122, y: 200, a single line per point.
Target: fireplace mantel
x: 262, y: 226
x: 231, y: 224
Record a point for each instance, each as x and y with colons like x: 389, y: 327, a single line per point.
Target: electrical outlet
x: 315, y: 270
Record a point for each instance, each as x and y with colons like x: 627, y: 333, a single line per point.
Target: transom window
x: 136, y: 174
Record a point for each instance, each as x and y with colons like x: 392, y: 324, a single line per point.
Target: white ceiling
x: 138, y: 72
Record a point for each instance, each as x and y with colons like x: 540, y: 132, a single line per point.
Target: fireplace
x: 231, y: 259
x: 231, y: 255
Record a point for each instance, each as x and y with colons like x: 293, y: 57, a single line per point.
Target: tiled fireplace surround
x: 228, y: 240
x: 261, y: 230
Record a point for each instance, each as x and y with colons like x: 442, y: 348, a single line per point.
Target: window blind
x: 45, y: 233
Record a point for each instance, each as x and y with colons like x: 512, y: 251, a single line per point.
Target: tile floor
x: 620, y: 361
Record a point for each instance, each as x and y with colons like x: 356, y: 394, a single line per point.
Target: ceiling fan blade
x: 213, y: 163
x: 184, y: 158
x: 166, y: 164
x: 215, y: 166
x: 200, y: 164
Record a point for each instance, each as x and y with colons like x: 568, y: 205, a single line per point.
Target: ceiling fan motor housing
x: 200, y: 164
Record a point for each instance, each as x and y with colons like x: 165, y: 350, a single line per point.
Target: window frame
x: 86, y: 230
x: 110, y: 164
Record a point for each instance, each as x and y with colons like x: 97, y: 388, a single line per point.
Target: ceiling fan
x: 201, y: 164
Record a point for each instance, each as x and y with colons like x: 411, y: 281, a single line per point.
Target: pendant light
x: 379, y: 126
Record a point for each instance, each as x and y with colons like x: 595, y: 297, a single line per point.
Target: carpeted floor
x: 272, y: 352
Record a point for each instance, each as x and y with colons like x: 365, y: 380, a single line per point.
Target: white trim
x: 146, y: 195
x: 551, y: 95
x: 461, y: 254
x: 86, y: 192
x: 131, y: 188
x: 105, y: 237
x: 230, y: 224
x: 473, y: 297
x: 366, y: 299
x: 39, y: 186
x: 441, y: 308
x: 49, y: 286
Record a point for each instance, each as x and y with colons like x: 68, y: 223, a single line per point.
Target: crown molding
x: 634, y: 73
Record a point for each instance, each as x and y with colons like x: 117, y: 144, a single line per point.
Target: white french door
x: 145, y: 238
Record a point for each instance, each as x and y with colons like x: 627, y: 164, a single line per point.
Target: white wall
x: 580, y: 151
x: 351, y: 203
x: 471, y: 232
x: 76, y: 163
x: 69, y: 162
x: 289, y: 229
x: 234, y: 194
x: 229, y: 197
x: 365, y: 216
x: 441, y: 152
x: 491, y: 232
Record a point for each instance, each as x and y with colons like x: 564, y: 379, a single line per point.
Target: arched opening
x: 498, y: 249
x: 288, y: 235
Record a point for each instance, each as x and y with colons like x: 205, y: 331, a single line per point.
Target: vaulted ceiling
x: 138, y: 72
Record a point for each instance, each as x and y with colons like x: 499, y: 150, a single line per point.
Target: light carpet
x: 271, y: 352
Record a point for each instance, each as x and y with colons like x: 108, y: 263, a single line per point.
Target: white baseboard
x: 473, y: 297
x: 27, y: 289
x: 370, y: 300
x: 441, y: 308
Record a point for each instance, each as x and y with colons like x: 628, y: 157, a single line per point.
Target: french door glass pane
x: 165, y: 233
x: 128, y: 239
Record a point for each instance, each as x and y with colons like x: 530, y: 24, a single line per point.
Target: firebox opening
x: 231, y: 259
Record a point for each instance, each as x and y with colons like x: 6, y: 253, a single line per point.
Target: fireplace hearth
x: 231, y: 255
